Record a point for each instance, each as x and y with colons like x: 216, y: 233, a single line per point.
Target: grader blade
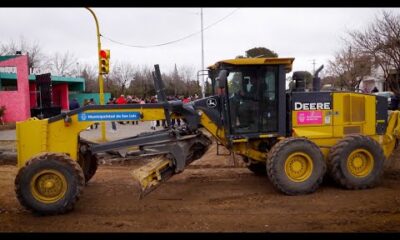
x: 181, y: 153
x: 151, y: 175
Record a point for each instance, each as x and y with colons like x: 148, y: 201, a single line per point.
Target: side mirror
x: 222, y: 78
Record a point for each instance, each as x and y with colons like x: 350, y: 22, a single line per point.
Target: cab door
x: 269, y: 85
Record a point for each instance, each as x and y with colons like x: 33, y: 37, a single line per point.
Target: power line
x: 174, y: 41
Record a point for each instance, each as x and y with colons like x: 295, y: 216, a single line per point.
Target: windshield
x: 252, y: 98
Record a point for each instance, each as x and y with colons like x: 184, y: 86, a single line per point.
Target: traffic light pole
x: 101, y: 81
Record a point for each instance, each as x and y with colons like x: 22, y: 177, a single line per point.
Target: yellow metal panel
x: 31, y: 139
x: 354, y: 111
x: 212, y: 128
x: 240, y: 140
x: 325, y: 144
x: 392, y: 132
x: 313, y: 132
x: 36, y: 136
x: 64, y: 139
x: 358, y: 108
x: 247, y: 149
x: 339, y: 110
x: 346, y: 109
x: 352, y: 130
x: 257, y: 61
x: 370, y: 115
x: 267, y: 135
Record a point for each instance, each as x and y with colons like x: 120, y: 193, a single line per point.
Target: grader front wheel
x: 89, y: 165
x: 296, y: 166
x: 49, y: 184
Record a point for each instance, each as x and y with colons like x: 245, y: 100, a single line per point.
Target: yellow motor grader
x: 294, y: 136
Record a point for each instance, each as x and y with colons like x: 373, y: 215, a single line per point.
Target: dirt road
x: 210, y: 196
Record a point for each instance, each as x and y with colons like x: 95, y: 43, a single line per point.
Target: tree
x: 350, y: 67
x: 329, y: 83
x: 120, y: 77
x: 89, y: 73
x: 33, y: 49
x: 381, y: 41
x: 260, y: 52
x: 308, y: 78
x: 189, y: 77
x: 176, y: 79
x: 62, y: 64
x: 142, y: 84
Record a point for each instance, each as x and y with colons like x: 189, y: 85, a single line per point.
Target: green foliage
x: 260, y: 52
x: 308, y: 80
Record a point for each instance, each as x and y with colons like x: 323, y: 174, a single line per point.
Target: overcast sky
x: 302, y: 33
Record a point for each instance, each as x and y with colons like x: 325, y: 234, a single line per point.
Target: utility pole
x: 313, y: 62
x: 100, y: 77
x: 202, y: 55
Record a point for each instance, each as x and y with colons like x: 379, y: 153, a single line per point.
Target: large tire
x: 89, y: 165
x: 296, y: 166
x: 356, y: 162
x: 49, y: 184
x: 87, y: 161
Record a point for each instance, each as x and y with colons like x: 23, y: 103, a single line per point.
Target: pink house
x: 17, y: 102
x: 19, y: 91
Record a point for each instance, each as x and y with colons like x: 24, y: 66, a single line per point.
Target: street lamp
x: 202, y: 54
x: 101, y: 81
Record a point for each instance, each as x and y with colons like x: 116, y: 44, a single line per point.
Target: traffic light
x: 104, y: 61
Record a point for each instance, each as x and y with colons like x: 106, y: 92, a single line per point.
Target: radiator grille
x: 354, y: 108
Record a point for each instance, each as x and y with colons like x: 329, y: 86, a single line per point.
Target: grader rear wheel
x: 49, y: 184
x: 356, y: 162
x: 296, y: 166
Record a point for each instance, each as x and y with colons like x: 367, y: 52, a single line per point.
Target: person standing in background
x: 121, y: 100
x: 74, y: 104
x: 113, y: 124
x: 135, y: 100
x: 86, y: 102
x: 96, y: 124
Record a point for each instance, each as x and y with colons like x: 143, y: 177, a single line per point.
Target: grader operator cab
x: 293, y: 136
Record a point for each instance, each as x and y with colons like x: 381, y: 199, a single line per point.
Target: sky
x: 305, y: 34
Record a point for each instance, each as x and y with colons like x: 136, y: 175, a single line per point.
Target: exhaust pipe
x: 317, y: 80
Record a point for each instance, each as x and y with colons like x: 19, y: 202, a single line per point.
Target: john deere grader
x: 294, y: 136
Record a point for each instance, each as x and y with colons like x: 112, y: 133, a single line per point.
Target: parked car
x: 393, y: 101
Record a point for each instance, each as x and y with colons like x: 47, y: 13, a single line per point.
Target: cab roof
x: 256, y: 61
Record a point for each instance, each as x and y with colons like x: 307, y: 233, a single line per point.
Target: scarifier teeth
x: 152, y: 174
